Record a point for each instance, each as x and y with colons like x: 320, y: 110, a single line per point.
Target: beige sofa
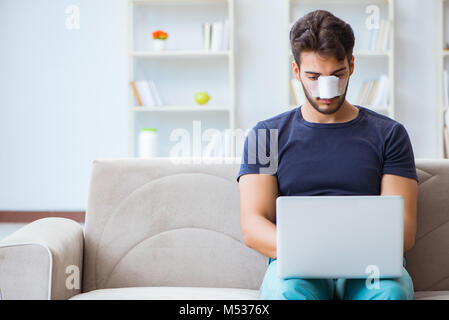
x: 159, y: 230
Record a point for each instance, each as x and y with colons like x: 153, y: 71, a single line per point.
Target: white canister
x: 147, y: 143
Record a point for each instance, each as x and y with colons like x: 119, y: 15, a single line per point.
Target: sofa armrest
x: 42, y: 260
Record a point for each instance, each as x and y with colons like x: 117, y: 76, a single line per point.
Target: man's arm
x: 258, y: 193
x: 408, y: 189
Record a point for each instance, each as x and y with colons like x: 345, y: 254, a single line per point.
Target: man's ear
x: 351, y: 65
x: 296, y: 71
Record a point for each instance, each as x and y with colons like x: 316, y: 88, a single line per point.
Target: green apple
x: 202, y: 97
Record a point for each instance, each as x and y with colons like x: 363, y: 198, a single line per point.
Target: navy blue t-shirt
x: 317, y: 159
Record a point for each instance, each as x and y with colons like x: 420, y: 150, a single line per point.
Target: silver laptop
x: 340, y: 236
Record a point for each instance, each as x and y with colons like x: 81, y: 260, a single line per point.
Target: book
x: 207, y: 27
x: 380, y: 34
x: 363, y: 92
x: 386, y: 35
x: 155, y: 93
x: 136, y: 93
x: 446, y: 142
x: 144, y: 90
x: 226, y: 36
x: 217, y: 38
x: 381, y: 97
x: 372, y: 92
x: 377, y: 98
x: 386, y: 91
x: 292, y: 93
x: 216, y: 35
x: 373, y: 39
x: 445, y: 89
x: 446, y: 118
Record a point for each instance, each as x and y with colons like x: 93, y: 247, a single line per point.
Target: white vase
x: 158, y: 44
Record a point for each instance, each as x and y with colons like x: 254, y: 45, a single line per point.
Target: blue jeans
x: 275, y: 288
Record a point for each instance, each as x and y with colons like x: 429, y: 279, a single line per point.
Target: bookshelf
x: 370, y: 65
x: 182, y: 69
x: 442, y: 64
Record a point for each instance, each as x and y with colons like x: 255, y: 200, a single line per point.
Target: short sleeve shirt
x: 347, y: 158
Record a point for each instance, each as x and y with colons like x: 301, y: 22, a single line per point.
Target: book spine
x: 206, y: 36
x: 216, y: 36
x: 386, y: 35
x: 366, y: 93
x: 292, y: 92
x: 362, y: 93
x: 155, y: 93
x: 372, y: 92
x: 380, y: 35
x: 226, y: 35
x: 373, y: 40
x: 145, y: 93
x: 136, y: 93
x: 445, y: 88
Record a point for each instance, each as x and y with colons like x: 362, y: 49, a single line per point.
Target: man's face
x: 312, y: 66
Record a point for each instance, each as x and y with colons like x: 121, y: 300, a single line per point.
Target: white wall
x: 415, y: 72
x: 62, y: 97
x: 63, y: 93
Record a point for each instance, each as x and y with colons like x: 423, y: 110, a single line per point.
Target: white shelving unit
x: 175, y: 115
x: 367, y: 62
x: 442, y: 62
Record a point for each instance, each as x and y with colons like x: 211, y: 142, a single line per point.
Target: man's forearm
x: 409, y: 241
x: 410, y: 227
x: 261, y: 236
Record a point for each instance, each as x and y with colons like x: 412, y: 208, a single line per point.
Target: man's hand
x: 408, y: 189
x: 258, y: 193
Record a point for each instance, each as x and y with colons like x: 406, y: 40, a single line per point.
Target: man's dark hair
x: 324, y: 33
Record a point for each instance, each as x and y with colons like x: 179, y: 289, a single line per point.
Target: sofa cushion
x: 169, y: 293
x: 196, y: 293
x: 151, y: 223
x: 432, y: 295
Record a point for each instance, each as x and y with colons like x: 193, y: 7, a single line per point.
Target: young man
x: 327, y: 146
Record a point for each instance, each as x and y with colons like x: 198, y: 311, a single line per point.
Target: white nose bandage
x: 327, y: 87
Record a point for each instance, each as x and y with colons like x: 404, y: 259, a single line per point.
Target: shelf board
x: 365, y: 53
x: 180, y: 108
x: 353, y: 2
x: 176, y: 2
x: 177, y: 54
x: 374, y: 53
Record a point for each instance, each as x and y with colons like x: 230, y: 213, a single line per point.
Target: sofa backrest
x: 428, y: 260
x: 150, y: 222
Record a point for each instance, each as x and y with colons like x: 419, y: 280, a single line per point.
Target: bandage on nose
x: 327, y: 87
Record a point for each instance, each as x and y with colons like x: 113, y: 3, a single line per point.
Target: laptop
x: 339, y: 236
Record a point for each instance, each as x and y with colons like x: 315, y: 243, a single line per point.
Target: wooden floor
x: 29, y: 216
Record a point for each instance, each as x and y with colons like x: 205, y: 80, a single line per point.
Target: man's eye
x: 313, y: 78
